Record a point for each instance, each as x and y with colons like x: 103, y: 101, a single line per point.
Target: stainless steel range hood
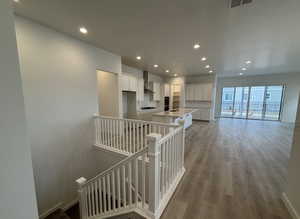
x: 148, y: 86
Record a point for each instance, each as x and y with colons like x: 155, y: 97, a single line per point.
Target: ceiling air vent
x: 237, y: 3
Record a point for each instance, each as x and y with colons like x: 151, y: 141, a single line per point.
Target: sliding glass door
x: 240, y: 102
x: 256, y: 102
x: 273, y: 102
x: 227, y: 101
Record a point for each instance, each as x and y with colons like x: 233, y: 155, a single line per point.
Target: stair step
x: 58, y: 214
x: 132, y: 215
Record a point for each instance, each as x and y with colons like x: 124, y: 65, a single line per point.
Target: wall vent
x: 237, y: 3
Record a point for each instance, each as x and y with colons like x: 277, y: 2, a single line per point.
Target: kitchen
x: 146, y: 96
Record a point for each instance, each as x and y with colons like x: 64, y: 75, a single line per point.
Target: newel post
x: 154, y: 171
x: 83, y: 211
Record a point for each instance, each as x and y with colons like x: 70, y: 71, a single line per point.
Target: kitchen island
x: 175, y: 116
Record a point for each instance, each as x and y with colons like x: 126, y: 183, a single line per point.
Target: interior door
x: 257, y: 102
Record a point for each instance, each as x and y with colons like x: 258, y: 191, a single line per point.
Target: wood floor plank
x: 234, y: 169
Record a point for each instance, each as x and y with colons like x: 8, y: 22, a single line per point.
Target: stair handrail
x: 120, y: 163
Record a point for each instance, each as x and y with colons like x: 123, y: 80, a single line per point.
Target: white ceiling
x: 163, y: 32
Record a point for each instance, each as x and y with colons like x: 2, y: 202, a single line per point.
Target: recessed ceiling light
x: 16, y: 1
x: 197, y: 46
x: 167, y: 71
x: 203, y: 59
x: 244, y: 69
x: 138, y: 58
x: 83, y: 30
x: 248, y: 62
x: 207, y: 66
x: 175, y: 75
x: 211, y: 71
x: 155, y: 66
x: 241, y: 73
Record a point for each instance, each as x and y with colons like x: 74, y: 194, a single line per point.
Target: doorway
x: 108, y: 93
x: 252, y: 102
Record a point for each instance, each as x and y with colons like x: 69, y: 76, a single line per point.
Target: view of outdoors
x: 258, y: 102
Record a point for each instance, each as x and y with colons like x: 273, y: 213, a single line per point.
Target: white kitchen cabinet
x: 128, y: 83
x: 124, y: 82
x: 207, y: 91
x: 189, y: 92
x: 140, y: 90
x: 199, y: 92
x: 167, y: 90
x: 156, y: 91
x: 202, y: 114
x: 132, y: 83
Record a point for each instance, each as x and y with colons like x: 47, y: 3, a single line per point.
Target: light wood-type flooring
x: 235, y: 169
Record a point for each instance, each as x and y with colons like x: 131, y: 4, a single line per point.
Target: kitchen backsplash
x: 147, y: 102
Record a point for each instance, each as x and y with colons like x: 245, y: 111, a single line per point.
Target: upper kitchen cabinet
x: 199, y: 92
x: 156, y: 91
x: 140, y: 90
x: 167, y: 90
x: 133, y: 84
x: 207, y: 91
x: 190, y: 92
x: 129, y: 83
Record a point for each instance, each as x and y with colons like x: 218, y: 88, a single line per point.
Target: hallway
x: 235, y: 169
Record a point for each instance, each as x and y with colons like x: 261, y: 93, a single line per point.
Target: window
x: 228, y: 97
x: 252, y: 102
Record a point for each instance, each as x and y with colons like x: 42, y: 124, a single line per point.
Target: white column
x: 154, y: 171
x: 82, y: 207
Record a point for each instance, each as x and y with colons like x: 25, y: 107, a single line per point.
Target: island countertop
x: 181, y: 112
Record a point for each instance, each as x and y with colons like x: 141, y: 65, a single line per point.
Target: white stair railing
x: 144, y: 182
x: 110, y: 193
x: 126, y: 136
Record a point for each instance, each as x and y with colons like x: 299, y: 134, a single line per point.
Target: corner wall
x: 17, y: 193
x: 292, y: 192
x: 291, y: 82
x: 60, y: 88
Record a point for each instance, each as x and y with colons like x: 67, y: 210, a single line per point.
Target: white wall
x: 17, y: 194
x: 291, y: 81
x: 293, y: 180
x: 60, y: 88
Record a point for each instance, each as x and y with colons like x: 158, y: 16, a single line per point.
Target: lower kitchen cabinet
x: 202, y: 114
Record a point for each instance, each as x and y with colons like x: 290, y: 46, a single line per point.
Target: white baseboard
x: 290, y: 207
